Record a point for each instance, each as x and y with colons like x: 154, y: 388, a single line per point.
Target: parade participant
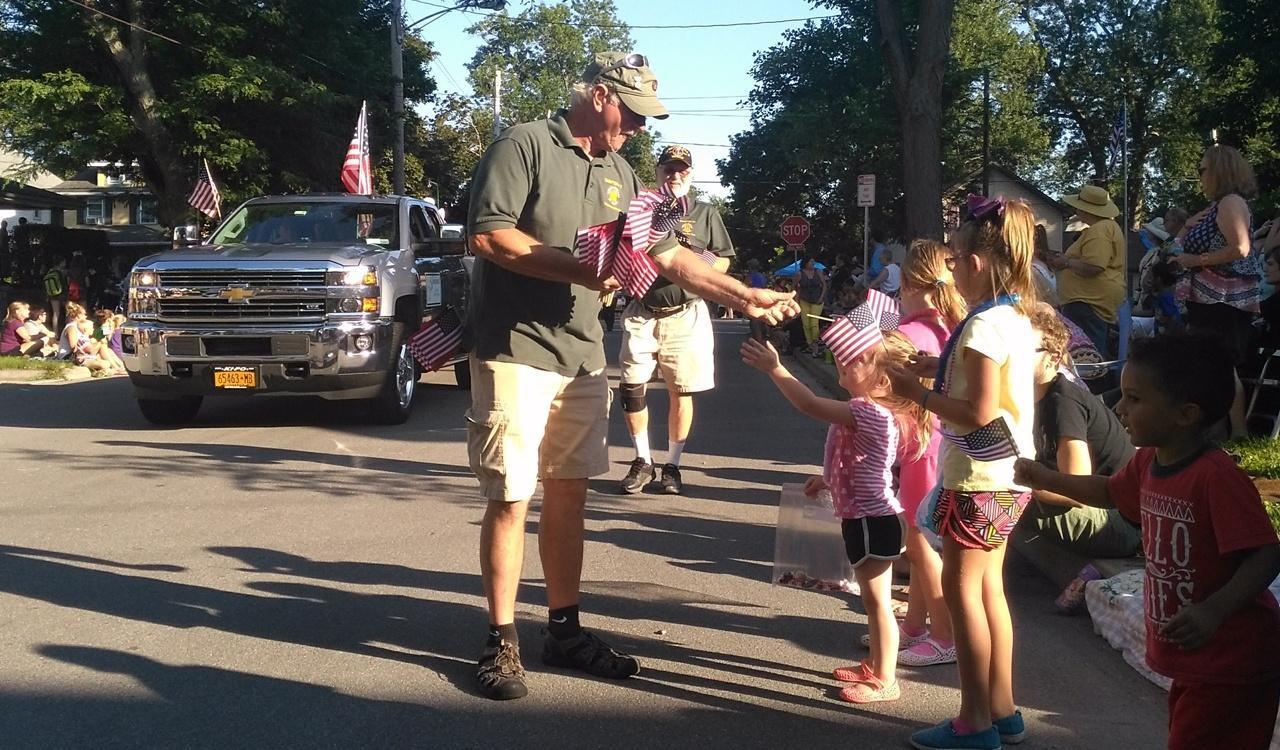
x: 540, y: 395
x: 867, y: 436
x: 1091, y: 272
x: 984, y: 379
x: 670, y: 329
x: 1212, y: 625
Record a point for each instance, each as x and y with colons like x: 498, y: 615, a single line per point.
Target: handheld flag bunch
x: 357, y: 172
x: 619, y: 248
x: 851, y: 335
x: 990, y: 443
x: 437, y: 341
x: 204, y: 196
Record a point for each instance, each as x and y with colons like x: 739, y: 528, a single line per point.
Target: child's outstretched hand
x: 1193, y: 626
x: 813, y: 485
x: 760, y: 355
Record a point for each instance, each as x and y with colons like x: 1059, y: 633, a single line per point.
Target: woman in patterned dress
x: 1221, y: 287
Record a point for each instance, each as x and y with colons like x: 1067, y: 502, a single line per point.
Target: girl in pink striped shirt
x: 865, y: 439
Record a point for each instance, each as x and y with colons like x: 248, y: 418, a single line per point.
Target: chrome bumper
x: 165, y: 360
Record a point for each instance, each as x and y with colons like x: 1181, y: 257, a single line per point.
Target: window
x: 420, y: 228
x: 97, y: 211
x: 146, y: 211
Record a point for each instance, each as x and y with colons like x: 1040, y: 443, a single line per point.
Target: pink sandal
x: 859, y: 672
x: 871, y: 690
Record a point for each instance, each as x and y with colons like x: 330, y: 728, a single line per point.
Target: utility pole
x: 497, y: 102
x: 397, y: 96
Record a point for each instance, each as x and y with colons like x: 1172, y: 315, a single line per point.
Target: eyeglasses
x: 633, y: 61
x: 951, y: 261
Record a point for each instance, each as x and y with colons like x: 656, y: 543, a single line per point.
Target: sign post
x: 866, y: 199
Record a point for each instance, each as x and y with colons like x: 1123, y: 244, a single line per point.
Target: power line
x: 630, y: 26
x: 131, y: 25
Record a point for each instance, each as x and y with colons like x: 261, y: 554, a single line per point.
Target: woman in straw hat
x: 1221, y: 290
x: 1091, y: 271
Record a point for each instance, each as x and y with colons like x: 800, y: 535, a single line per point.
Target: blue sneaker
x: 944, y: 737
x: 1011, y: 729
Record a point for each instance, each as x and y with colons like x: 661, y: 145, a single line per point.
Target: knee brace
x: 633, y: 396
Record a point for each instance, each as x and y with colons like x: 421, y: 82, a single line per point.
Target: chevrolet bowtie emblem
x: 237, y: 294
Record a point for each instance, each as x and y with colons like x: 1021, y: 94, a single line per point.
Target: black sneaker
x: 639, y: 477
x: 671, y: 483
x: 501, y: 676
x: 589, y: 654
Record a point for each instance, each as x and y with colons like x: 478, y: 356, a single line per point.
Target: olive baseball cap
x: 675, y: 153
x: 630, y: 76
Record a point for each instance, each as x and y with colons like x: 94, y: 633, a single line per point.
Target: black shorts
x: 876, y: 537
x: 1233, y: 327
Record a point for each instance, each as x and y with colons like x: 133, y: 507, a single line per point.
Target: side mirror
x: 186, y: 235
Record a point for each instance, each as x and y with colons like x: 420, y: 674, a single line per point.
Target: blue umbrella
x: 788, y: 271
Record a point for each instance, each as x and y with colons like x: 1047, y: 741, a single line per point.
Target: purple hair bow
x: 981, y: 207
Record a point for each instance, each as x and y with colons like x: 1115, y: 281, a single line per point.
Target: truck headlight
x: 362, y: 276
x: 349, y: 305
x: 142, y: 278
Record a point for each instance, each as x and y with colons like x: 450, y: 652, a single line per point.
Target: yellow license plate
x: 235, y: 377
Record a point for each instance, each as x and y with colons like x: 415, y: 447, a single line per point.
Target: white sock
x: 675, y: 451
x: 641, y: 441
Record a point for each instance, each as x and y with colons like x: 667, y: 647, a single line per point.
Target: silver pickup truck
x: 306, y: 294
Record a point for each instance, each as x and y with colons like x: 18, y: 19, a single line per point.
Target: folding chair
x: 1269, y: 356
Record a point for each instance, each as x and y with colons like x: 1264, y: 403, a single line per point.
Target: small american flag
x: 651, y: 215
x: 357, y: 175
x: 1118, y: 133
x: 635, y: 270
x: 990, y: 443
x: 852, y: 334
x: 204, y: 196
x: 708, y: 257
x: 594, y: 247
x: 437, y: 341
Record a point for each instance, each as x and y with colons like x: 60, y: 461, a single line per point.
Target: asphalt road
x: 280, y: 575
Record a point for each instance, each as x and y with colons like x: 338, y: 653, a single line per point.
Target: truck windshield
x: 310, y: 223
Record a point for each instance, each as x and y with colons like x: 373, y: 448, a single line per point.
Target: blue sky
x: 689, y: 62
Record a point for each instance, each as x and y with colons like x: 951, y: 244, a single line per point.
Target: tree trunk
x: 917, y: 91
x: 161, y: 165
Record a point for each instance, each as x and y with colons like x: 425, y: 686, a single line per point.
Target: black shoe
x: 639, y: 477
x: 589, y: 654
x: 671, y: 483
x: 501, y: 676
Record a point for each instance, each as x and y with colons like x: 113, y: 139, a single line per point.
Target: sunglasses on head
x: 632, y: 61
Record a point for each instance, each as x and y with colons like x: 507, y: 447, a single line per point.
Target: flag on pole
x: 635, y: 270
x: 435, y: 343
x: 990, y: 443
x: 357, y: 173
x: 204, y: 196
x: 1118, y: 136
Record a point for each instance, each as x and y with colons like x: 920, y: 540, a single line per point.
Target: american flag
x: 357, y: 174
x: 1118, y: 133
x: 437, y: 341
x: 595, y: 248
x: 204, y: 196
x: 652, y: 214
x: 707, y: 256
x: 990, y: 443
x: 635, y: 270
x: 852, y: 334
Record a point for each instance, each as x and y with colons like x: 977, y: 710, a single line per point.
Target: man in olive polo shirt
x: 539, y: 395
x: 670, y: 328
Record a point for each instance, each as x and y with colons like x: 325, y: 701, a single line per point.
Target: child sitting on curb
x: 1212, y: 625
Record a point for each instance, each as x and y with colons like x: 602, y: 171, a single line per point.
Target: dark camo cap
x: 675, y: 153
x: 630, y: 76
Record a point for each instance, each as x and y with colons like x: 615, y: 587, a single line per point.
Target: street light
x: 397, y: 74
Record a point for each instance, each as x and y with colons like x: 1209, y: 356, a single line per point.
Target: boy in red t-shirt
x: 1210, y: 550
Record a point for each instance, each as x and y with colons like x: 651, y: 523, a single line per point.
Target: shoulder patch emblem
x: 612, y: 196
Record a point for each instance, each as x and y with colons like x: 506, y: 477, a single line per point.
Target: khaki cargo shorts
x: 527, y: 424
x: 682, y: 345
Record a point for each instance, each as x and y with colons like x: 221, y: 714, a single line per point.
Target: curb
x: 69, y: 375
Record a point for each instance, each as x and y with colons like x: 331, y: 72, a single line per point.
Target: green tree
x: 267, y: 91
x: 1098, y: 54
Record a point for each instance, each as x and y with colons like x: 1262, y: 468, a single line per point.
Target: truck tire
x: 394, y: 402
x: 170, y: 411
x: 462, y: 373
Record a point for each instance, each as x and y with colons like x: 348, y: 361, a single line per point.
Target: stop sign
x: 795, y: 230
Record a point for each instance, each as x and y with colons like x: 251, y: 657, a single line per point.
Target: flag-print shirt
x: 858, y: 465
x: 1199, y: 518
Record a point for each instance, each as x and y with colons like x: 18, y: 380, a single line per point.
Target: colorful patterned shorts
x: 979, y: 520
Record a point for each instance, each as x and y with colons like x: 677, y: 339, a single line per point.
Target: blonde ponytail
x: 898, y: 351
x: 925, y: 271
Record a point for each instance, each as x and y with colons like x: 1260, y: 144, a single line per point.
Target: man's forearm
x: 685, y: 269
x: 516, y: 251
